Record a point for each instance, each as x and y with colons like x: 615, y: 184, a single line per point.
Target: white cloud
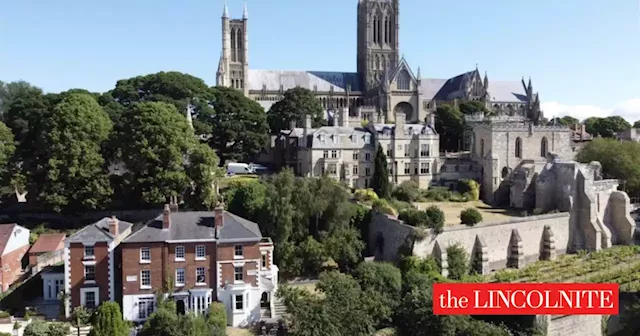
x: 628, y: 109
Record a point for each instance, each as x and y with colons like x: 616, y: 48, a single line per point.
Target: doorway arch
x: 406, y: 108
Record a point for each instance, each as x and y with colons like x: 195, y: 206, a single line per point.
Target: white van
x: 238, y: 168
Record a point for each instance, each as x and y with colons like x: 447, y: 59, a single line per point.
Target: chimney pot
x: 173, y: 203
x: 113, y: 225
x: 166, y: 217
x: 218, y: 219
x: 307, y: 121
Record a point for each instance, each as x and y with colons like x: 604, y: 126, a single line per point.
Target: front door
x: 180, y: 307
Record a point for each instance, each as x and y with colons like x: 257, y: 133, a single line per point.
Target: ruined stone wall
x: 386, y: 235
x: 574, y: 325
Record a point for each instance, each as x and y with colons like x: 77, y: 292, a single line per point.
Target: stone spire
x: 245, y: 13
x: 486, y: 81
x: 225, y: 10
x: 188, y: 115
x: 418, y: 75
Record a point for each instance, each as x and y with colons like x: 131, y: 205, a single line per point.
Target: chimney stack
x: 344, y: 114
x: 307, y: 121
x: 400, y: 122
x: 173, y: 203
x: 113, y: 225
x: 166, y: 217
x: 218, y: 219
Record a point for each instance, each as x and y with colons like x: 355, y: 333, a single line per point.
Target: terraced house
x: 91, y: 263
x: 197, y: 258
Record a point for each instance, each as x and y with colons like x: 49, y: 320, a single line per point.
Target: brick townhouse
x: 14, y: 243
x: 91, y: 262
x: 204, y: 256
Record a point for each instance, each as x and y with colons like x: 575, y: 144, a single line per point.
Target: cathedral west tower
x: 378, y: 40
x: 233, y: 69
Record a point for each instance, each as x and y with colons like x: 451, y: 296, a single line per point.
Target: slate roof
x: 195, y: 225
x: 415, y: 129
x: 5, y: 235
x: 47, y: 242
x: 323, y: 80
x: 98, y: 232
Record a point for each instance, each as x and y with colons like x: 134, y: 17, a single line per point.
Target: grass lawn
x: 240, y: 178
x: 311, y: 287
x: 452, y: 211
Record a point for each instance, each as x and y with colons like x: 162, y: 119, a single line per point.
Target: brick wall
x: 12, y: 266
x: 76, y: 255
x: 252, y: 257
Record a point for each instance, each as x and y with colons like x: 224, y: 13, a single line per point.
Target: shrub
x: 469, y: 187
x: 436, y: 218
x: 365, y: 195
x: 4, y: 314
x: 5, y: 334
x: 470, y: 216
x: 108, y: 321
x: 58, y: 329
x: 217, y: 315
x: 414, y: 217
x: 383, y: 206
x: 27, y: 315
x: 439, y: 194
x: 408, y: 191
x: 457, y: 261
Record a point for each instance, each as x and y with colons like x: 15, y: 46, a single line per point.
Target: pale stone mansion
x: 385, y: 103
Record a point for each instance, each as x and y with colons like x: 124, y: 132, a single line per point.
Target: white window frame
x: 264, y: 262
x: 334, y: 154
x: 355, y: 156
x: 92, y: 255
x: 94, y: 290
x: 355, y: 169
x: 204, y: 273
x: 180, y: 248
x: 235, y: 274
x: 142, y: 286
x: 146, y: 305
x: 235, y: 251
x: 178, y: 283
x: 235, y: 302
x: 142, y: 259
x: 325, y: 154
x: 90, y: 281
x: 204, y: 252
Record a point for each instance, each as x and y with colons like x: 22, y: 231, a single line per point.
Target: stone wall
x: 515, y: 242
x: 574, y: 325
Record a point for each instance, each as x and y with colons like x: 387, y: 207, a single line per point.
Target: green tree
x: 458, y: 262
x: 436, y: 218
x: 468, y: 107
x: 237, y: 124
x: 154, y: 146
x: 9, y: 92
x: 606, y: 127
x: 312, y: 255
x: 407, y: 191
x: 201, y: 167
x: 380, y: 181
x: 450, y: 126
x: 7, y: 148
x: 246, y: 199
x: 80, y: 316
x: 564, y: 121
x: 217, y: 315
x: 108, y: 321
x: 296, y: 104
x: 345, y: 247
x: 71, y: 172
x: 620, y: 160
x: 470, y: 216
x: 636, y: 124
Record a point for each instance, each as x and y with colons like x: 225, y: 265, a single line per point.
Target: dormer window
x: 367, y: 139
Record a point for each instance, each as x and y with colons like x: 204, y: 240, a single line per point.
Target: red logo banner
x: 525, y: 299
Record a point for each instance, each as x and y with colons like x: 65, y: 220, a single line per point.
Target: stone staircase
x: 265, y: 314
x: 279, y: 308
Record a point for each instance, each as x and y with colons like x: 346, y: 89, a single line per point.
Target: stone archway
x: 406, y: 108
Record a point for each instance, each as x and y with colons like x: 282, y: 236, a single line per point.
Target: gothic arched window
x: 404, y: 80
x: 518, y: 148
x: 379, y: 31
x: 233, y: 45
x: 544, y: 147
x: 375, y: 29
x: 482, y: 148
x: 377, y: 60
x: 386, y: 30
x: 240, y: 46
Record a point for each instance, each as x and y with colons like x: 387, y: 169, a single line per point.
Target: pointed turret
x: 419, y: 74
x: 530, y: 87
x: 245, y: 13
x: 486, y: 81
x: 225, y: 10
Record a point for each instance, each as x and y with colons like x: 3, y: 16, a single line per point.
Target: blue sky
x: 583, y: 55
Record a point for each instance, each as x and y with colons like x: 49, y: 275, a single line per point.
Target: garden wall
x: 521, y: 239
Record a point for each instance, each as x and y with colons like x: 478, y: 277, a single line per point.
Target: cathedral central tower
x: 378, y: 39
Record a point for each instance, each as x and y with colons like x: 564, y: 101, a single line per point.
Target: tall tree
x: 108, y: 321
x: 237, y: 124
x: 450, y: 126
x: 468, y: 107
x: 70, y: 173
x: 7, y: 148
x: 620, y: 160
x: 609, y: 126
x: 10, y: 91
x: 296, y: 104
x: 154, y: 146
x: 203, y: 163
x: 380, y: 181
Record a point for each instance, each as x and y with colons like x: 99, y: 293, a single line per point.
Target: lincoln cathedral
x: 387, y: 103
